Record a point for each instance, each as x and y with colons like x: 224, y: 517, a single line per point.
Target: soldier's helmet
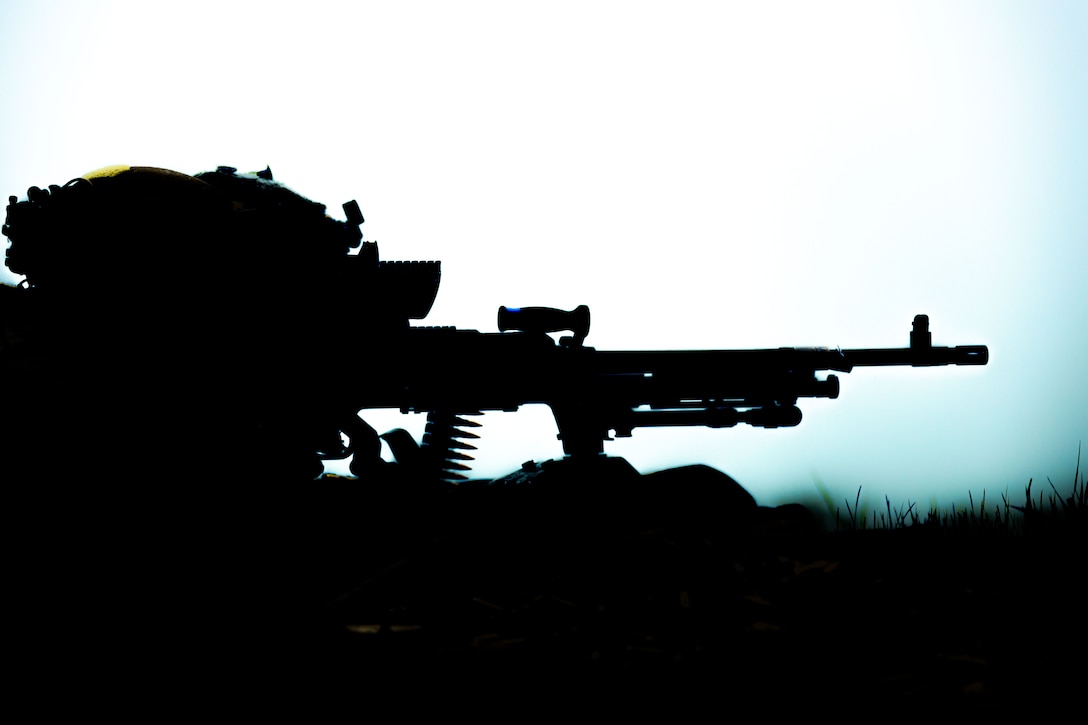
x: 147, y: 227
x: 117, y: 224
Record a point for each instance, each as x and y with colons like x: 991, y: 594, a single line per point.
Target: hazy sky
x: 702, y: 175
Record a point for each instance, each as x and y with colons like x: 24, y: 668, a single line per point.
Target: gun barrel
x: 924, y: 357
x: 715, y: 363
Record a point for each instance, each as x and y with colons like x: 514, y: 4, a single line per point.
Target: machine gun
x: 594, y: 395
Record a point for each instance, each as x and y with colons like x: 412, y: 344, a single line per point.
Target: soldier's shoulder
x: 16, y: 325
x: 11, y: 300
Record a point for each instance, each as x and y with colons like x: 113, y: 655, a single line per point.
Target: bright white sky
x: 703, y: 175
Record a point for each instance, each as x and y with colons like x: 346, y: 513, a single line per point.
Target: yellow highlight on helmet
x: 106, y: 171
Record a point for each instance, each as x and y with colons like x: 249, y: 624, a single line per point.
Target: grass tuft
x: 1050, y: 513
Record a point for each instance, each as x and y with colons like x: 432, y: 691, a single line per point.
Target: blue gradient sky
x: 701, y: 174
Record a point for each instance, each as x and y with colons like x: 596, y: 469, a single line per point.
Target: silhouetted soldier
x: 166, y: 390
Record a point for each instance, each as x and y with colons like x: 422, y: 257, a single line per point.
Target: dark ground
x: 668, y: 598
x: 656, y: 595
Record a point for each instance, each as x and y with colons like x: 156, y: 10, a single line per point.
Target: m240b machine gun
x: 593, y: 394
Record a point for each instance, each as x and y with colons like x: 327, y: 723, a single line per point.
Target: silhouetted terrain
x: 766, y: 607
